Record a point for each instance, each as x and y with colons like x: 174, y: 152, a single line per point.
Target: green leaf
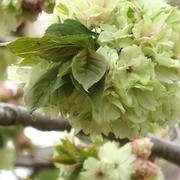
x: 38, y: 95
x: 63, y: 159
x: 61, y: 149
x: 74, y: 175
x: 59, y: 41
x: 47, y: 174
x: 7, y: 159
x: 130, y: 12
x: 69, y: 27
x: 74, y: 28
x: 7, y: 134
x: 65, y: 67
x: 28, y: 62
x: 88, y: 68
x: 48, y: 47
x: 2, y: 141
x: 69, y: 150
x: 67, y: 153
x: 61, y: 94
x: 95, y: 95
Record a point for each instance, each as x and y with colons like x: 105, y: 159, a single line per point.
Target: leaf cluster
x: 69, y: 48
x: 73, y: 156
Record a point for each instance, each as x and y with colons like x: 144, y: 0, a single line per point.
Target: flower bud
x: 142, y: 147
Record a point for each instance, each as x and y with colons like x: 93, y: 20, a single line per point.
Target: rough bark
x: 11, y: 115
x: 165, y: 149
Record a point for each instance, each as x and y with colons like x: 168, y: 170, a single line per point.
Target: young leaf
x: 74, y: 175
x: 59, y: 41
x: 65, y: 67
x: 52, y: 48
x: 67, y: 88
x: 88, y: 68
x: 28, y: 62
x: 69, y: 27
x: 46, y: 174
x: 62, y: 93
x: 72, y: 27
x: 95, y: 95
x: 63, y: 159
x: 38, y: 95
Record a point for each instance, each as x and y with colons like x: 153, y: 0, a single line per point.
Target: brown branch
x: 173, y: 133
x: 28, y: 162
x: 165, y: 149
x: 16, y: 115
x: 11, y: 115
x: 38, y: 159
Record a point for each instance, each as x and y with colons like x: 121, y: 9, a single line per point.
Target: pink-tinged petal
x: 143, y: 21
x: 153, y: 32
x: 4, y: 91
x: 75, y: 5
x: 88, y: 3
x: 137, y: 10
x: 145, y: 168
x: 162, y: 26
x: 102, y: 19
x: 85, y: 15
x: 141, y: 168
x: 142, y: 147
x: 104, y: 4
x: 151, y: 164
x: 152, y: 169
x: 135, y: 146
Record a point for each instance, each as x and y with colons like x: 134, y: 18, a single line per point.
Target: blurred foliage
x: 14, y: 12
x: 6, y: 58
x: 19, y: 141
x: 174, y: 2
x: 47, y: 174
x: 7, y: 134
x: 7, y: 155
x: 9, y: 96
x: 6, y: 159
x: 13, y: 134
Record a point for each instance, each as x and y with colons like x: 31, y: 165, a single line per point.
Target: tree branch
x: 11, y: 115
x: 173, y: 133
x: 38, y: 159
x: 16, y: 115
x: 165, y: 149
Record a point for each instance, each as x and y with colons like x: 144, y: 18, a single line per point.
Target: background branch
x: 38, y: 159
x: 16, y: 115
x: 173, y: 133
x: 165, y: 149
x: 11, y: 115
